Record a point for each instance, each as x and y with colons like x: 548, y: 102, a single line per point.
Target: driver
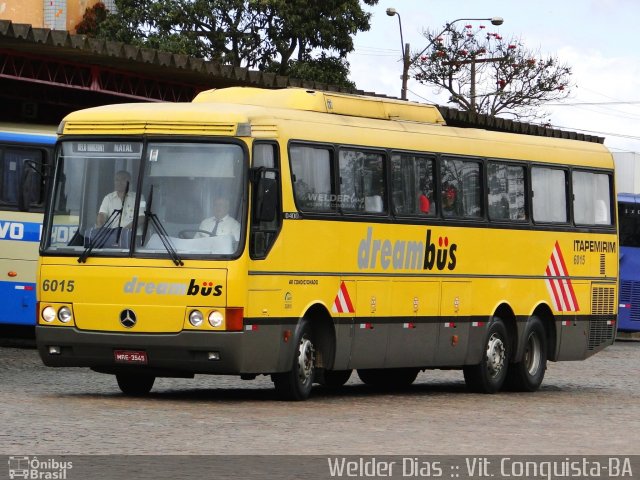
x: 221, y: 223
x: 114, y: 200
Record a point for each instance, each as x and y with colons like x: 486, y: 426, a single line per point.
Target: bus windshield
x: 180, y: 199
x: 629, y: 224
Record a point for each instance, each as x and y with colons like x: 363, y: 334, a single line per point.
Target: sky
x: 598, y: 39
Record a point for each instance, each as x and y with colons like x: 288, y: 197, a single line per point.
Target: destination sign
x: 111, y: 148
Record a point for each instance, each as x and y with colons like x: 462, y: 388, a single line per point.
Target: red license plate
x: 130, y: 356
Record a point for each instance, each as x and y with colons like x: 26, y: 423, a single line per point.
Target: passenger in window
x: 114, y: 201
x: 423, y: 200
x: 449, y: 200
x: 500, y: 210
x: 221, y: 223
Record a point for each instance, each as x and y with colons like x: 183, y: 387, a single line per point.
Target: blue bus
x: 26, y: 153
x: 629, y: 231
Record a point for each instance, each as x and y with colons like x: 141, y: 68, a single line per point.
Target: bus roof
x: 326, y: 102
x: 26, y: 133
x: 261, y: 113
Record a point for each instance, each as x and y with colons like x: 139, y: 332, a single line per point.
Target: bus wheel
x: 335, y: 378
x: 489, y: 375
x: 296, y: 383
x: 135, y: 384
x: 388, y: 377
x: 527, y: 374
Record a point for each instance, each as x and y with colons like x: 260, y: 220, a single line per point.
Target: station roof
x: 45, y: 74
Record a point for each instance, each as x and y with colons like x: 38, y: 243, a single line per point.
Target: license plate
x: 130, y: 356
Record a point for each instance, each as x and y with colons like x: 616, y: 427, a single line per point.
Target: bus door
x: 413, y: 334
x: 371, y: 328
x: 453, y: 329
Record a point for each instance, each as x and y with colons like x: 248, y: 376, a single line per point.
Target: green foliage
x: 485, y: 73
x: 324, y: 69
x: 285, y: 36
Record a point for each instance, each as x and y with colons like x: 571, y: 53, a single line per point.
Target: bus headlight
x: 64, y: 314
x: 215, y: 319
x: 195, y: 318
x: 48, y: 314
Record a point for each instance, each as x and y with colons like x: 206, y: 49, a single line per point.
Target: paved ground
x: 589, y: 407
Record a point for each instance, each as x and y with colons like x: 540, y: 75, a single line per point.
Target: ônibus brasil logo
x: 406, y: 254
x: 194, y: 287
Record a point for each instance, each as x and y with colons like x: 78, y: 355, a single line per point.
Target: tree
x: 283, y: 36
x: 92, y: 19
x: 484, y: 73
x: 324, y: 69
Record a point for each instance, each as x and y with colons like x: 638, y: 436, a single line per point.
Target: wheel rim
x: 496, y: 355
x: 532, y: 354
x: 305, y: 360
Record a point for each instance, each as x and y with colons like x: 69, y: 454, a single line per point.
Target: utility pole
x: 406, y: 63
x: 406, y: 55
x: 472, y: 62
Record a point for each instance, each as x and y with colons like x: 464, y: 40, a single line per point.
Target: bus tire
x: 296, y: 383
x: 489, y: 375
x: 135, y: 385
x: 527, y: 374
x: 335, y: 378
x: 388, y: 377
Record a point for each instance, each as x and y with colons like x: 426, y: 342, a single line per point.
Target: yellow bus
x: 306, y: 234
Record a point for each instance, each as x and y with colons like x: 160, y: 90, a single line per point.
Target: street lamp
x: 494, y: 21
x: 405, y: 55
x: 406, y: 60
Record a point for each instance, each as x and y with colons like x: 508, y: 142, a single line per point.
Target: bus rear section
x: 25, y: 156
x: 629, y: 228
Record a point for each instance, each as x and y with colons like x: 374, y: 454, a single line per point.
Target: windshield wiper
x: 105, y: 230
x: 162, y: 233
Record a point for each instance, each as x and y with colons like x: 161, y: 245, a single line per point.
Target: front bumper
x: 181, y: 354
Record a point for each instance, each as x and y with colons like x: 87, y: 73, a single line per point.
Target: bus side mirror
x: 265, y: 204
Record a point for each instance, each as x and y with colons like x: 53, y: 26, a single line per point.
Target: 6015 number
x: 58, y: 285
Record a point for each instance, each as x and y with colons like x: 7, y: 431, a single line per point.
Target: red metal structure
x: 45, y: 74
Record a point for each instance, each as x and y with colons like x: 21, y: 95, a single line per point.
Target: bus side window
x: 461, y: 187
x: 362, y: 185
x: 506, y: 194
x: 18, y: 165
x: 311, y: 177
x: 549, y: 199
x: 412, y: 181
x: 591, y: 198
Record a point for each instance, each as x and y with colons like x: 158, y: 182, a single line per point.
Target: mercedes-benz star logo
x: 127, y: 318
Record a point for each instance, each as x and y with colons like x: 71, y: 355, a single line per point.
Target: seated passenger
x: 449, y: 197
x: 423, y: 200
x: 221, y: 223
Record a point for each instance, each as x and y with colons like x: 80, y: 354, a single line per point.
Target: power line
x: 606, y: 134
x: 560, y: 127
x: 573, y: 104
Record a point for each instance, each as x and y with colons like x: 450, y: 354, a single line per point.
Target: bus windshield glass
x: 629, y: 224
x: 180, y: 199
